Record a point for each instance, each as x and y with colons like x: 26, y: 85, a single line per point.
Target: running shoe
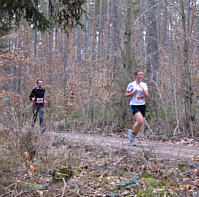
x: 131, y: 137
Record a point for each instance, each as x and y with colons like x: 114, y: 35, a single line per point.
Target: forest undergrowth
x: 62, y: 168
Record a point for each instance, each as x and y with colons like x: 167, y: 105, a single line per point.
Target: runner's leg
x: 35, y: 113
x: 139, y: 122
x: 41, y: 117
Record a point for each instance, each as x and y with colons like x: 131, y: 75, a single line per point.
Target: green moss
x: 32, y: 186
x: 6, y: 182
x: 146, y: 175
x: 95, y: 174
x: 75, y: 114
x: 181, y: 166
x: 150, y: 182
x: 77, y: 170
x: 145, y: 193
x: 149, y: 192
x: 65, y: 173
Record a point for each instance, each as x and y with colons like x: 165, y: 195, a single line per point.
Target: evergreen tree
x: 65, y: 13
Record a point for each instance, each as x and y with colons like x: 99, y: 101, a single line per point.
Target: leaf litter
x: 82, y: 170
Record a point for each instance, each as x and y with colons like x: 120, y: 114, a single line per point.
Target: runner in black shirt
x: 37, y: 97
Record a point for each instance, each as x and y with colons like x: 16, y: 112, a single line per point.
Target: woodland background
x: 86, y: 69
x: 86, y: 53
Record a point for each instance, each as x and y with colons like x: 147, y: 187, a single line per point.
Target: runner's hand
x: 134, y: 92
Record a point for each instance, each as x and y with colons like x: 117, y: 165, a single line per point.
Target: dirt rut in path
x: 165, y: 150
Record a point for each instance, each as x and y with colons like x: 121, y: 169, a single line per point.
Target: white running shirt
x: 137, y: 99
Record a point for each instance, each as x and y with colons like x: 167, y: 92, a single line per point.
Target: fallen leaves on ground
x: 190, y: 170
x: 105, y: 172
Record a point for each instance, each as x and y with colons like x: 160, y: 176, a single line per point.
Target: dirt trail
x: 165, y: 150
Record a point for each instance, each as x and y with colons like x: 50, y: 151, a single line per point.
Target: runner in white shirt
x: 138, y: 91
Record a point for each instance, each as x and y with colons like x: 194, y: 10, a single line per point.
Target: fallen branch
x: 6, y: 194
x: 64, y: 187
x: 149, y: 127
x: 22, y: 192
x: 13, y: 184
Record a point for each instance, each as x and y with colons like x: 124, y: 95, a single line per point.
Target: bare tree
x: 127, y: 37
x: 186, y: 77
x: 152, y: 41
x: 165, y: 40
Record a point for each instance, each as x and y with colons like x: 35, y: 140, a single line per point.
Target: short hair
x: 39, y: 80
x: 136, y: 72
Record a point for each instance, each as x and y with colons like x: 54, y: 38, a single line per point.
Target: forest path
x: 165, y: 150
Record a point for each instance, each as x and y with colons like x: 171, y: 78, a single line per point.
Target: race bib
x: 40, y: 100
x: 139, y: 97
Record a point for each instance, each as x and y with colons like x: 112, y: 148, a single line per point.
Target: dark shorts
x: 138, y: 108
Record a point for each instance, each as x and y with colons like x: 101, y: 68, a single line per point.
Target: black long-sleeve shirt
x: 39, y: 96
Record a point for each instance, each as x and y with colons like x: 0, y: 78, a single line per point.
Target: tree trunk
x: 65, y: 65
x: 101, y: 28
x: 87, y: 33
x: 35, y: 33
x: 108, y: 31
x: 127, y: 39
x: 165, y: 41
x: 186, y: 77
x: 94, y: 30
x: 79, y: 47
x: 115, y: 38
x: 127, y: 63
x: 152, y: 56
x: 152, y: 41
x: 142, y: 30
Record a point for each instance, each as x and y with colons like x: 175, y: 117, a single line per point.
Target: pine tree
x: 64, y: 13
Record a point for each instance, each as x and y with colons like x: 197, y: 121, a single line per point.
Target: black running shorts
x: 136, y: 108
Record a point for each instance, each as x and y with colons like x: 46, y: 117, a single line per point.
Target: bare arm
x: 146, y: 93
x: 129, y: 93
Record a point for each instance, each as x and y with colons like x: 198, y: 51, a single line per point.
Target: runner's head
x: 138, y: 75
x: 39, y: 83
